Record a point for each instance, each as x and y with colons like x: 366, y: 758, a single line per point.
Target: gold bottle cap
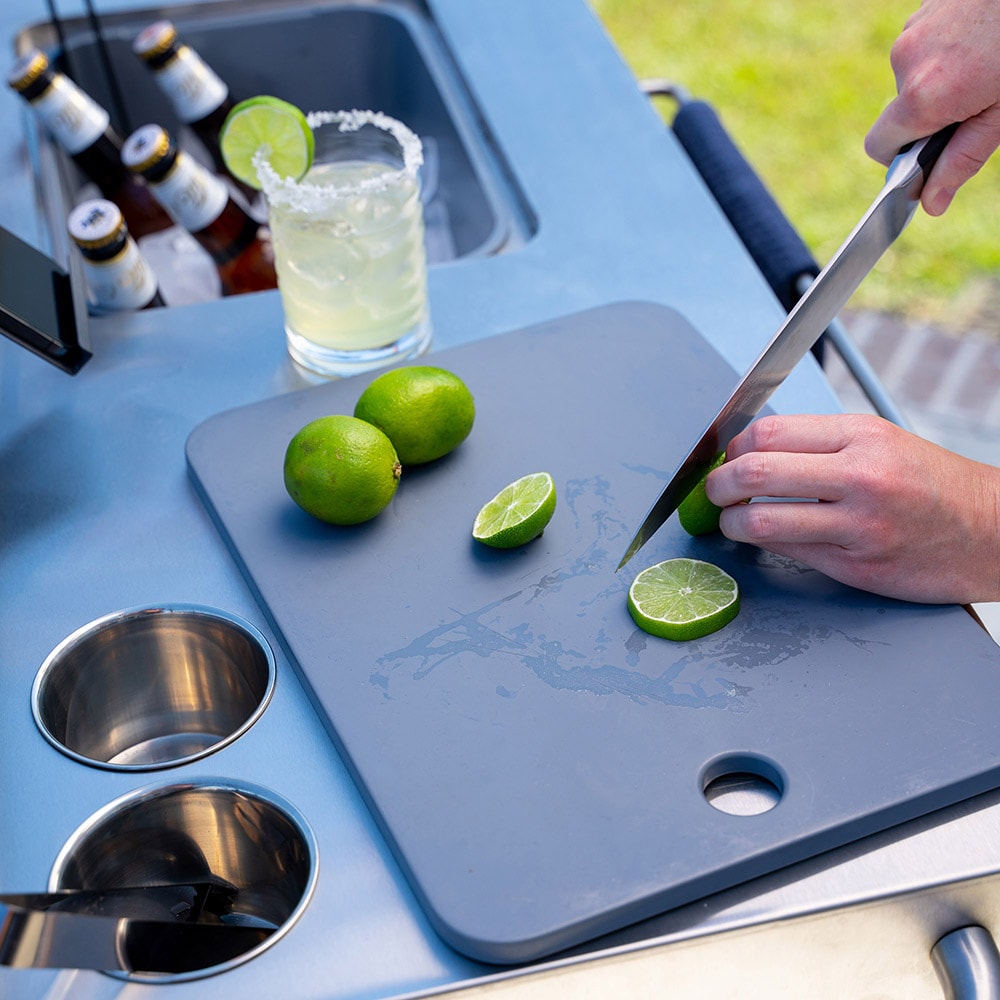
x: 27, y: 69
x: 96, y: 224
x: 146, y: 148
x: 154, y: 40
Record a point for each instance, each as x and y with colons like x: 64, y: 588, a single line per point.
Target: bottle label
x: 124, y: 282
x: 74, y: 118
x: 192, y: 86
x: 193, y: 197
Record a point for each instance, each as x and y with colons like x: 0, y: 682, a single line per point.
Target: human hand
x: 897, y: 515
x: 947, y: 68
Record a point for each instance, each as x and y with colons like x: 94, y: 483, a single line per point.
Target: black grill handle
x: 775, y: 246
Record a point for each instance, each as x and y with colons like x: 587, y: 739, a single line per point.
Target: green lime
x: 683, y: 599
x: 518, y: 513
x: 697, y: 514
x: 277, y: 126
x: 425, y: 412
x: 341, y: 470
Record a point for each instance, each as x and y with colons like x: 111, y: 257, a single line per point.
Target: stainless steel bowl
x: 201, y: 831
x: 153, y: 687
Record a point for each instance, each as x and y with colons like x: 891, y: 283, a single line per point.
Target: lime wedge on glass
x: 271, y: 124
x: 697, y: 514
x: 518, y: 513
x: 683, y: 599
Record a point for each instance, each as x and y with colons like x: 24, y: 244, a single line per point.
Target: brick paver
x: 951, y: 374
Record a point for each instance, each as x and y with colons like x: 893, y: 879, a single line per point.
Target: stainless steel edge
x: 881, y: 948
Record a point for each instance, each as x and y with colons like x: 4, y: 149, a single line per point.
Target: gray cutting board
x: 536, y: 762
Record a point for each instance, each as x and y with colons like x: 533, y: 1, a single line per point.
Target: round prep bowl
x: 239, y: 835
x: 153, y: 687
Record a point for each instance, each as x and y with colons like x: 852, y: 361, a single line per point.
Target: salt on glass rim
x: 306, y: 197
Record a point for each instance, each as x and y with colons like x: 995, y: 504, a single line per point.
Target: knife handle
x: 932, y: 147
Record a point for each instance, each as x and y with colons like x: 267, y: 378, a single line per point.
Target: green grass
x: 797, y: 84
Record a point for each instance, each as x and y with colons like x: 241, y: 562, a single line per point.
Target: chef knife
x: 812, y: 314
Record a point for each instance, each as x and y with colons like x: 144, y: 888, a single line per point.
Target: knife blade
x: 159, y: 929
x: 187, y: 901
x: 64, y: 939
x: 887, y: 217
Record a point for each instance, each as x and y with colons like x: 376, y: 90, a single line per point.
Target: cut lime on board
x: 683, y: 599
x: 697, y: 514
x: 268, y: 123
x: 518, y: 513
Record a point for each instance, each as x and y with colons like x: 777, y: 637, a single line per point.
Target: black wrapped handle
x: 771, y: 240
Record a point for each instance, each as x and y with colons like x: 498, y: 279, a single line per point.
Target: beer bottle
x: 83, y: 129
x: 117, y: 275
x: 200, y: 201
x: 199, y: 96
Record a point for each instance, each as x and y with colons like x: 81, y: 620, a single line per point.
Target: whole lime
x: 341, y: 470
x: 426, y: 412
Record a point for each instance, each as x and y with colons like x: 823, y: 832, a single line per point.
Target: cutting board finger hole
x: 743, y: 784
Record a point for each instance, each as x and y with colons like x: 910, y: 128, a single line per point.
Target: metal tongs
x: 150, y: 928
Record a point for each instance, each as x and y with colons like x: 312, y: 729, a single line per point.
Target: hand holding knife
x: 836, y: 283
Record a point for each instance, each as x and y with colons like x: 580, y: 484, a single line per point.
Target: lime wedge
x: 518, y: 513
x: 697, y: 514
x: 268, y: 122
x: 683, y: 599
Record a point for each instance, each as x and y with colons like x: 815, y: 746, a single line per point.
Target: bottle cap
x: 155, y: 41
x: 28, y: 70
x: 149, y: 151
x: 95, y: 226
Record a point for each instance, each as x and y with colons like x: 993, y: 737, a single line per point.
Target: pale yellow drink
x: 349, y: 250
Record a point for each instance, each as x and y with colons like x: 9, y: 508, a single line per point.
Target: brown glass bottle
x: 199, y: 201
x: 117, y: 275
x: 83, y: 129
x: 199, y: 96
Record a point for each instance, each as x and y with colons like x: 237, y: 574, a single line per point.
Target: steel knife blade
x: 834, y: 285
x: 150, y: 928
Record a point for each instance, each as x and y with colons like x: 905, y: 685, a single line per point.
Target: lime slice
x: 518, y: 513
x: 683, y: 599
x: 268, y: 122
x: 697, y: 514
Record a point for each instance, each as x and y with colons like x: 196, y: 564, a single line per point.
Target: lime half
x: 518, y: 513
x: 697, y: 514
x: 278, y: 127
x: 683, y: 599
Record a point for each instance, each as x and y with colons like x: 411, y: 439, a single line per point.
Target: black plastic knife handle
x: 777, y: 249
x: 933, y: 148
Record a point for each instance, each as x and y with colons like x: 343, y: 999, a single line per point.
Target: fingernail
x: 939, y: 201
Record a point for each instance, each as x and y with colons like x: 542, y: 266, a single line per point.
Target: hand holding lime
x: 269, y: 124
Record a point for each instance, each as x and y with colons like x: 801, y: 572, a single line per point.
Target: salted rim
x: 305, y: 197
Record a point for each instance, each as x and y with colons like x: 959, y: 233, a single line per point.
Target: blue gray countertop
x: 97, y: 512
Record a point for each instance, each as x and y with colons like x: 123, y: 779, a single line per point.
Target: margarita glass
x: 349, y: 245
